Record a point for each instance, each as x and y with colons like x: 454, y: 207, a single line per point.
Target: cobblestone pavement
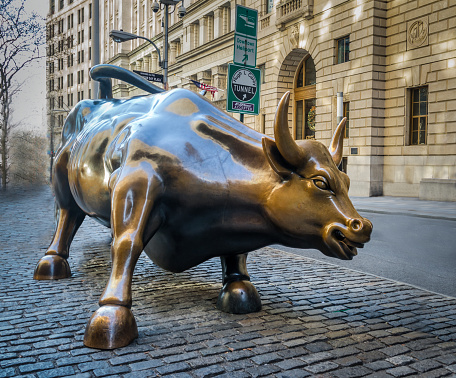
x: 317, y: 319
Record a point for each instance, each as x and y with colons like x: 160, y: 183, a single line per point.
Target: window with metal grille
x: 419, y: 112
x: 347, y: 115
x: 343, y: 50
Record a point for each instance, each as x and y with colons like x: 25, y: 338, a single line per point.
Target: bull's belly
x: 176, y: 253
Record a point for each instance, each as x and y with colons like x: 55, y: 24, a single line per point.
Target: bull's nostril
x: 356, y: 224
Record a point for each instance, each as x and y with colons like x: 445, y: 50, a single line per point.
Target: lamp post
x: 122, y: 36
x: 181, y: 12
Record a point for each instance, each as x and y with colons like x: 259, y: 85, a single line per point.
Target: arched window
x: 305, y: 99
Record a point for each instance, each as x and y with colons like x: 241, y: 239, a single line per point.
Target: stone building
x: 68, y: 60
x: 393, y: 62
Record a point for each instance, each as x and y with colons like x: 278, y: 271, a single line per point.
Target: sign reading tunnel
x: 243, y: 89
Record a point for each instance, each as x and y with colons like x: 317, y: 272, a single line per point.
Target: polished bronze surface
x: 175, y: 176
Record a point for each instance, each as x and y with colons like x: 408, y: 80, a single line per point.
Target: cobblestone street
x: 317, y: 319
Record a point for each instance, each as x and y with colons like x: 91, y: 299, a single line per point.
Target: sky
x: 29, y: 105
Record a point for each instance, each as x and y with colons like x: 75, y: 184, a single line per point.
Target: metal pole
x: 51, y: 146
x: 340, y: 106
x: 95, y: 43
x: 165, y: 49
x: 242, y: 118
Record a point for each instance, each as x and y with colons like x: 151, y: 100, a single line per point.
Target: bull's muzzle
x: 342, y: 241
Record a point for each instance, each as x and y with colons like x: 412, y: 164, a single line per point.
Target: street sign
x: 246, y: 21
x: 243, y: 89
x: 245, y: 50
x: 157, y: 78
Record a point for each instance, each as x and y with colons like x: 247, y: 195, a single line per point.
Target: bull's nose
x: 356, y: 225
x: 360, y: 225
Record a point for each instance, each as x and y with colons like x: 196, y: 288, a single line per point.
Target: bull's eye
x: 321, y: 184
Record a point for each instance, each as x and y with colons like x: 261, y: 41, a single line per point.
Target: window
x: 268, y: 6
x: 347, y: 115
x: 343, y: 50
x: 419, y: 111
x: 305, y: 99
x: 90, y: 10
x: 61, y: 4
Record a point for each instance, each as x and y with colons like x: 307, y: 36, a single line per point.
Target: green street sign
x: 245, y: 50
x: 246, y: 21
x: 243, y: 89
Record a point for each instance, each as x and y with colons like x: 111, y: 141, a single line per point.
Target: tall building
x: 393, y: 63
x: 69, y: 55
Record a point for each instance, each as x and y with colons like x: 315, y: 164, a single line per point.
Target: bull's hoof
x: 239, y: 297
x: 52, y: 267
x: 110, y: 327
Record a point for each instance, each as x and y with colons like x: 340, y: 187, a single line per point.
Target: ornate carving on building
x: 417, y: 33
x: 294, y: 36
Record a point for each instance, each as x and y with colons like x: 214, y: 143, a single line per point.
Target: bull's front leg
x: 238, y: 295
x: 133, y: 196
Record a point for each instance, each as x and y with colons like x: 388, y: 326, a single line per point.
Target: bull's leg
x: 238, y: 295
x: 54, y: 264
x: 133, y: 224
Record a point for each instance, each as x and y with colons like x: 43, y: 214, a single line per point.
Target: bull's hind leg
x: 238, y: 295
x: 133, y: 224
x: 54, y: 264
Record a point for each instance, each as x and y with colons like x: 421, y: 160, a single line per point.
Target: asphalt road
x: 414, y: 250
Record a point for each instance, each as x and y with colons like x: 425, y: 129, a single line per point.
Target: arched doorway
x: 305, y: 99
x: 297, y: 74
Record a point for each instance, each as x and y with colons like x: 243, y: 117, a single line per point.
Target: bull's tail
x: 103, y: 73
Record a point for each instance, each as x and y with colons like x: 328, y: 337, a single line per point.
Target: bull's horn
x: 337, y: 142
x: 288, y: 148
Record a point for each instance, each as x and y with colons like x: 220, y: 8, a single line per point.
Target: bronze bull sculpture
x: 180, y: 179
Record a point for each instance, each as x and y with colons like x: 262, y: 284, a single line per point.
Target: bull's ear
x: 275, y: 159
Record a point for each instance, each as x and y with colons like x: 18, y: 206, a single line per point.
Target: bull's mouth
x: 348, y: 248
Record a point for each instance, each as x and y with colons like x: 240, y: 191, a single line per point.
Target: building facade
x: 393, y: 62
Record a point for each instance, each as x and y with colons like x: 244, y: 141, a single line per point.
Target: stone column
x: 218, y: 22
x: 225, y: 20
x: 154, y: 61
x: 172, y: 52
x: 139, y: 65
x: 219, y: 75
x: 203, y: 31
x: 146, y: 63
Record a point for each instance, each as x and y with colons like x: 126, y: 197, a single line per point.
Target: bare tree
x: 28, y: 159
x: 21, y: 37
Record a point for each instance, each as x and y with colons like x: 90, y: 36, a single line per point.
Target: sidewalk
x: 406, y: 206
x: 317, y: 319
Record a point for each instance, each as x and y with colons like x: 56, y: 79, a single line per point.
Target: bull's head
x: 310, y: 205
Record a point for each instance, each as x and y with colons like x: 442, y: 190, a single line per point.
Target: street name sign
x: 157, y: 78
x: 245, y: 50
x: 243, y: 89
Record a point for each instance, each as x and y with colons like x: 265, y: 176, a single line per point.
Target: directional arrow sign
x: 245, y: 50
x: 243, y: 89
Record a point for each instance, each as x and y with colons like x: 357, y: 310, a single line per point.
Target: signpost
x: 243, y: 77
x: 157, y: 78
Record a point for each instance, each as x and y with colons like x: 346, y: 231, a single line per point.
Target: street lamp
x: 120, y: 36
x: 181, y: 13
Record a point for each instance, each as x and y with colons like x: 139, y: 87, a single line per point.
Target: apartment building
x: 69, y: 55
x: 393, y: 62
